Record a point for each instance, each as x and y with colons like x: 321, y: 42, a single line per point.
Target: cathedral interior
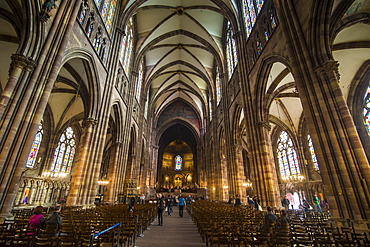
x: 103, y: 100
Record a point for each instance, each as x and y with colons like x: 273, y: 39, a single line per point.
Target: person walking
x: 237, y: 200
x: 131, y: 204
x: 250, y: 200
x: 160, y: 207
x: 142, y: 198
x: 182, y: 204
x: 257, y: 205
x: 316, y: 202
x: 285, y: 203
x: 169, y: 204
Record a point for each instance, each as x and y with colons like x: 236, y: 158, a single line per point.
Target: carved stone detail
x: 263, y: 124
x: 327, y: 68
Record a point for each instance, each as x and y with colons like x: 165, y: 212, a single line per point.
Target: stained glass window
x: 231, y: 52
x: 259, y: 4
x: 218, y: 86
x: 267, y: 35
x: 98, y: 3
x: 107, y: 9
x: 287, y: 157
x: 313, y: 155
x: 65, y: 152
x: 273, y: 21
x: 367, y: 110
x: 97, y: 40
x: 126, y: 46
x: 35, y: 148
x: 259, y: 47
x: 178, y: 163
x: 82, y: 15
x: 89, y: 30
x: 139, y: 81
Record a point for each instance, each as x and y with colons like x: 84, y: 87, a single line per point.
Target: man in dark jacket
x: 160, y: 207
x: 54, y: 219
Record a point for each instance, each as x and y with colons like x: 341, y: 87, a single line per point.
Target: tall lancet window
x: 313, y: 155
x: 231, y: 52
x: 139, y: 81
x: 35, y: 148
x: 178, y: 163
x: 251, y: 9
x: 65, y: 152
x: 218, y: 86
x: 126, y: 46
x: 367, y: 110
x: 287, y: 157
x: 106, y: 9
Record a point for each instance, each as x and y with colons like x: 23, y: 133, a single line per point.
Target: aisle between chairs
x: 175, y: 231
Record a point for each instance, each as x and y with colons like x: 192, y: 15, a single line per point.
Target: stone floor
x: 175, y: 232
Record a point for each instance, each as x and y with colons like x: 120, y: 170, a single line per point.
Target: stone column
x: 343, y: 164
x: 154, y: 165
x: 111, y: 196
x: 21, y: 111
x: 266, y: 182
x: 80, y: 172
x: 20, y: 69
x: 239, y: 176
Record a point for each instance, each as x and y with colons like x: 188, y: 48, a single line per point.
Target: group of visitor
x: 37, y: 220
x: 166, y: 204
x: 235, y: 202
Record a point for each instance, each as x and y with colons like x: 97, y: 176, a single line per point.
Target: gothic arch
x: 92, y: 83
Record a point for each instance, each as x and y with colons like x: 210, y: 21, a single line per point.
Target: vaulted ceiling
x: 180, y: 41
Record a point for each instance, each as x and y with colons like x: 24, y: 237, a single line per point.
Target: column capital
x: 89, y: 122
x: 327, y: 68
x: 263, y: 124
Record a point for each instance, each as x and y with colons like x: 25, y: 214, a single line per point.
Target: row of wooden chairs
x: 79, y: 225
x: 225, y: 225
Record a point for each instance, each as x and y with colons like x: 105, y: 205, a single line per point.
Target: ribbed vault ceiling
x: 179, y: 41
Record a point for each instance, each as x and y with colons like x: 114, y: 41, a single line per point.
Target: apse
x: 182, y: 137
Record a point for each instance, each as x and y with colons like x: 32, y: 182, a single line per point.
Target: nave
x: 175, y: 231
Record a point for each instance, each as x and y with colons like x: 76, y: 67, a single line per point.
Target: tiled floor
x: 175, y: 232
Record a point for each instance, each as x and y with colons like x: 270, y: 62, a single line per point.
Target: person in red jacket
x: 37, y: 220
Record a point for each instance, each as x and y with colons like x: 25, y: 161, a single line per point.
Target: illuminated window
x: 83, y: 15
x: 65, y: 152
x: 106, y: 9
x: 259, y: 47
x: 218, y: 86
x: 287, y: 156
x: 231, y: 52
x: 367, y: 110
x: 35, y: 148
x: 313, y: 155
x: 178, y: 163
x: 126, y: 46
x: 139, y: 81
x: 97, y: 40
x: 250, y: 15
